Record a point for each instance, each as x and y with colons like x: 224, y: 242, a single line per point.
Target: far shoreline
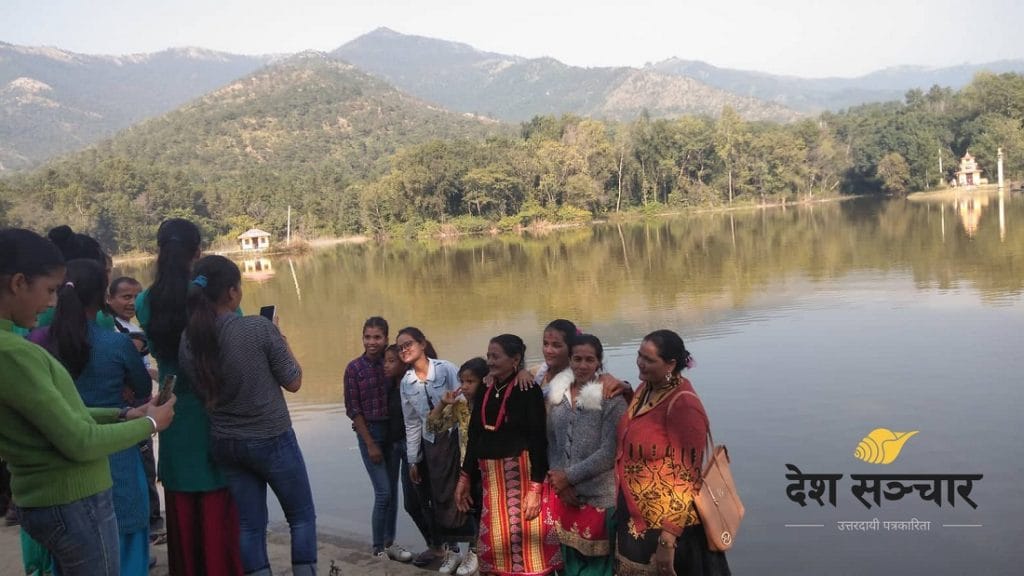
x: 540, y: 226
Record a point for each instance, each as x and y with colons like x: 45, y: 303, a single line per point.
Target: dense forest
x: 352, y: 156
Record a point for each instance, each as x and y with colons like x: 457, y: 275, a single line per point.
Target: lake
x: 812, y: 325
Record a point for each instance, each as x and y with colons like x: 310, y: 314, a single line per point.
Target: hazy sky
x: 800, y: 37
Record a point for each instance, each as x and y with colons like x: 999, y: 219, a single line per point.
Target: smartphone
x: 269, y: 312
x: 167, y: 390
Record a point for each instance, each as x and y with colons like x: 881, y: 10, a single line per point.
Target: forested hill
x: 813, y: 95
x: 298, y: 132
x: 459, y: 77
x: 53, y: 101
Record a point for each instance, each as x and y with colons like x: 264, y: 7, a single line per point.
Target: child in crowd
x: 455, y: 408
x: 394, y: 370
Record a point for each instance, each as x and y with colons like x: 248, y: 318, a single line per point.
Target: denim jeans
x: 249, y: 467
x: 81, y: 536
x: 384, y: 478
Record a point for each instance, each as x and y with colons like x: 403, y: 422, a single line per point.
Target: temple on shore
x: 969, y: 174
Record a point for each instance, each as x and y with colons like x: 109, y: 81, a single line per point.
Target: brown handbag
x: 718, y: 503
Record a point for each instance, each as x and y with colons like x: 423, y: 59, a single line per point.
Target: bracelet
x: 153, y: 421
x: 666, y: 544
x: 536, y: 487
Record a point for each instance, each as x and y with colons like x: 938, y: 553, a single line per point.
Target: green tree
x: 894, y: 173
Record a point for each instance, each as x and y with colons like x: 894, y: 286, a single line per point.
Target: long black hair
x: 214, y: 276
x: 178, y: 242
x: 84, y: 287
x: 27, y: 253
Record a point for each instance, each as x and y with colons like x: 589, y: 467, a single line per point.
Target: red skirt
x: 202, y: 534
x: 584, y: 529
x: 510, y: 545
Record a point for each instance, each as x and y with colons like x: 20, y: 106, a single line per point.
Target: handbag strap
x: 710, y: 450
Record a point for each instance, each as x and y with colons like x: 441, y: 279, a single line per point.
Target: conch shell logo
x: 882, y: 446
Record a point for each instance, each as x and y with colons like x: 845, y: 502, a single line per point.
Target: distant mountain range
x: 53, y: 101
x: 811, y: 95
x: 515, y: 89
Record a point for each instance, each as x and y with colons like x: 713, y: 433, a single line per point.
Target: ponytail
x: 178, y: 241
x: 69, y: 333
x: 214, y: 276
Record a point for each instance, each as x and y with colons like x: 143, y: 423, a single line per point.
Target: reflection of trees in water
x: 620, y: 278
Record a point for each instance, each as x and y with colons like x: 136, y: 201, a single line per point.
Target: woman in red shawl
x: 661, y: 445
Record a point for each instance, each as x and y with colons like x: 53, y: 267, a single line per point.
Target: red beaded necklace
x: 501, y: 410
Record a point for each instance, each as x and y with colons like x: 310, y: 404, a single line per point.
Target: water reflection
x: 626, y: 278
x: 257, y: 269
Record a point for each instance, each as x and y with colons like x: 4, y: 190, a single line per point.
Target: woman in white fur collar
x: 581, y: 451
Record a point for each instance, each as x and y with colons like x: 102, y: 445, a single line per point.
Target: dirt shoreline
x: 349, y: 556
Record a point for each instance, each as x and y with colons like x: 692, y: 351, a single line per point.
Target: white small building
x: 254, y: 239
x: 969, y: 173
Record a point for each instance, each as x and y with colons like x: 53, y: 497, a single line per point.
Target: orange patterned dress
x: 657, y: 469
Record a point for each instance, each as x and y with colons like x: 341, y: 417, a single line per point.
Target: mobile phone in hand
x: 269, y: 312
x: 167, y: 390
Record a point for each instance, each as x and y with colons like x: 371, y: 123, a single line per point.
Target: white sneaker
x: 382, y: 555
x: 451, y: 562
x: 397, y: 553
x: 469, y: 565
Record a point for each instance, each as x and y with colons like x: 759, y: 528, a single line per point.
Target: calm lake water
x: 811, y: 325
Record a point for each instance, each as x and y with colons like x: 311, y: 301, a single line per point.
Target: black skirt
x: 693, y: 557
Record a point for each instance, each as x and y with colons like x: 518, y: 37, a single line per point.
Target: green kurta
x: 185, y: 463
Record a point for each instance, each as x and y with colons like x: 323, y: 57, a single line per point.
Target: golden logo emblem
x: 882, y: 446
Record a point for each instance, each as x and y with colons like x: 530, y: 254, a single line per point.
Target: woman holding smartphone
x: 239, y: 365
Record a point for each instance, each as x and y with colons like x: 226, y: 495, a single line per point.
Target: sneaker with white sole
x: 469, y: 565
x: 450, y: 563
x: 382, y: 556
x: 398, y: 554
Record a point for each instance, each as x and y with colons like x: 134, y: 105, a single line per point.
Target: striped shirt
x: 255, y: 363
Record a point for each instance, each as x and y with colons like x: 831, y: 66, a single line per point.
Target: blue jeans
x: 82, y: 535
x: 249, y: 467
x: 384, y: 478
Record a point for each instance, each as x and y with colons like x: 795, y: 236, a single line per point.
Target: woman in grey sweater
x: 581, y: 448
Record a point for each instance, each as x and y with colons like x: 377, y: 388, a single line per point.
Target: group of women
x: 563, y: 469
x: 71, y: 432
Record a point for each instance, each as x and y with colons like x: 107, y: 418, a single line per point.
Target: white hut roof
x: 254, y: 233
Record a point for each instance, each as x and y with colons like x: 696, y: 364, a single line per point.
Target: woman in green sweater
x: 55, y: 447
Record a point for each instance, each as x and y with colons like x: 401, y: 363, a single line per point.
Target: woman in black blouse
x: 508, y: 451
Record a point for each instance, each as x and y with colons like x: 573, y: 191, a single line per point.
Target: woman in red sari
x: 507, y: 451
